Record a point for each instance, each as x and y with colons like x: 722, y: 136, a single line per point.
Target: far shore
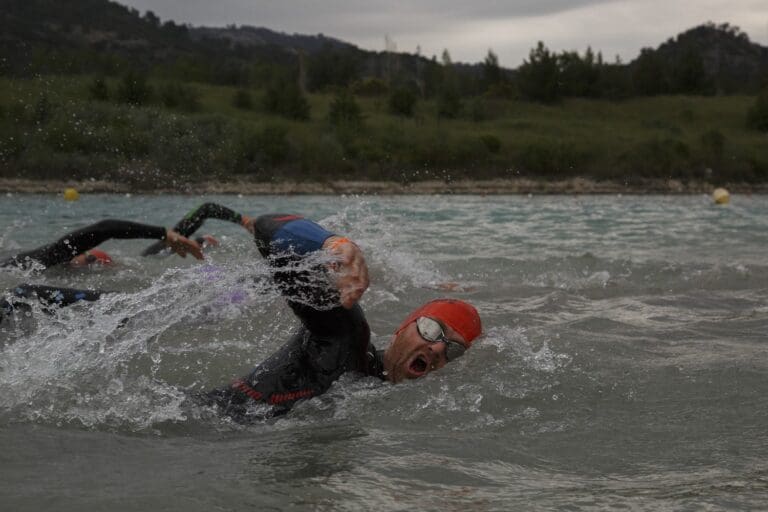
x: 574, y: 186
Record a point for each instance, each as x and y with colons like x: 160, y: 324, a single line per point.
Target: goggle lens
x: 432, y: 331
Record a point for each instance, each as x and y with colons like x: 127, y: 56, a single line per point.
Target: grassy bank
x: 50, y: 128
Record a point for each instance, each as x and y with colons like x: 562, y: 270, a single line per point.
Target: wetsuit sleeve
x: 49, y: 296
x: 55, y: 295
x: 77, y: 242
x: 285, y: 241
x: 194, y: 219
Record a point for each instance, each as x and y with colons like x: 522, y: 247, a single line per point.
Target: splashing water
x: 623, y: 361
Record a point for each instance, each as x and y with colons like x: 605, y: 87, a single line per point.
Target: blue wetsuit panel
x: 300, y: 236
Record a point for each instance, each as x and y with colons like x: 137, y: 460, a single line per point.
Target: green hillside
x: 52, y: 128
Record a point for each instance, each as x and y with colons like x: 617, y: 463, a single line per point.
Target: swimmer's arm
x: 195, y: 218
x: 77, y: 242
x: 280, y: 234
x: 55, y: 295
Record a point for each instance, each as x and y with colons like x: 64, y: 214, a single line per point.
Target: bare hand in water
x: 182, y: 245
x: 351, y: 271
x: 249, y: 223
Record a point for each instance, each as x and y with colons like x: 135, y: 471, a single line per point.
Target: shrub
x: 176, y: 95
x: 11, y: 142
x: 242, y: 99
x: 284, y: 98
x: 272, y: 142
x: 402, y: 102
x: 345, y: 111
x: 370, y: 87
x: 660, y: 158
x: 43, y: 110
x: 133, y: 89
x: 757, y: 116
x: 713, y: 142
x: 98, y: 90
x: 552, y: 158
x: 449, y: 104
x: 267, y: 147
x: 492, y: 143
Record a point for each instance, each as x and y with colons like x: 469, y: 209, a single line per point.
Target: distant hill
x: 258, y: 36
x: 728, y: 59
x: 75, y: 36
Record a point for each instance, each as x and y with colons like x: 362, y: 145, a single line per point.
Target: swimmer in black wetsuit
x: 334, y: 337
x: 12, y: 310
x: 77, y: 248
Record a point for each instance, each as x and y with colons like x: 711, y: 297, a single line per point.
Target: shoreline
x: 515, y: 186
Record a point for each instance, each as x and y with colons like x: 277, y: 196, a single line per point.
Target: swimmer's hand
x: 452, y: 287
x: 249, y: 223
x: 350, y: 269
x: 182, y: 245
x: 208, y: 241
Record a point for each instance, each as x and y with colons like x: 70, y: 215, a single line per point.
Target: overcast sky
x: 468, y: 28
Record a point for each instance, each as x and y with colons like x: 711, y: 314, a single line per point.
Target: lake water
x: 624, y: 362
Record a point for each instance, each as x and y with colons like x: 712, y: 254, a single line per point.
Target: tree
x: 491, y: 70
x: 538, y: 77
x: 449, y: 103
x: 284, y: 98
x: 332, y: 68
x: 579, y: 76
x: 649, y: 76
x: 152, y: 18
x: 448, y: 97
x: 402, y: 102
x: 757, y: 116
x: 689, y: 75
x: 345, y: 111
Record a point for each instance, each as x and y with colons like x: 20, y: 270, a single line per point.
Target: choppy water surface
x: 624, y: 362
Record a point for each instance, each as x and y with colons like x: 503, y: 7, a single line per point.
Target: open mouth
x: 418, y: 366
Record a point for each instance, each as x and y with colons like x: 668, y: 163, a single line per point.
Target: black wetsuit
x: 84, y: 239
x: 330, y: 341
x: 77, y: 242
x: 49, y: 296
x: 194, y: 219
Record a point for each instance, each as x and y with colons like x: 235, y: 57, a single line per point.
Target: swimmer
x: 77, y: 249
x: 334, y: 337
x: 14, y: 312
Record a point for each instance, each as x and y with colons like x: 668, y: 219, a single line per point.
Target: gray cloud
x: 469, y: 29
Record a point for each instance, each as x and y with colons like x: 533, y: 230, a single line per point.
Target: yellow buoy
x: 721, y: 196
x: 71, y: 194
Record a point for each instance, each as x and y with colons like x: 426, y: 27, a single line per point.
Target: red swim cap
x: 101, y: 256
x: 456, y: 314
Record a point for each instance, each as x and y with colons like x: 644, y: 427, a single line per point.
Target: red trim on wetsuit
x: 287, y: 218
x: 277, y: 398
x: 245, y: 388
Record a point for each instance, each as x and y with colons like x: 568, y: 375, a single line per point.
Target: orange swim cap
x: 456, y: 314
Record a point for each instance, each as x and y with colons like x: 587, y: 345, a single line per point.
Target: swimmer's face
x: 409, y: 356
x: 81, y: 260
x: 85, y: 259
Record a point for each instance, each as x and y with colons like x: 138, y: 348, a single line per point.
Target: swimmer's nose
x: 438, y: 349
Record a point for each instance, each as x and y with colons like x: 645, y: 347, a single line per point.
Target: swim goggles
x: 433, y: 332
